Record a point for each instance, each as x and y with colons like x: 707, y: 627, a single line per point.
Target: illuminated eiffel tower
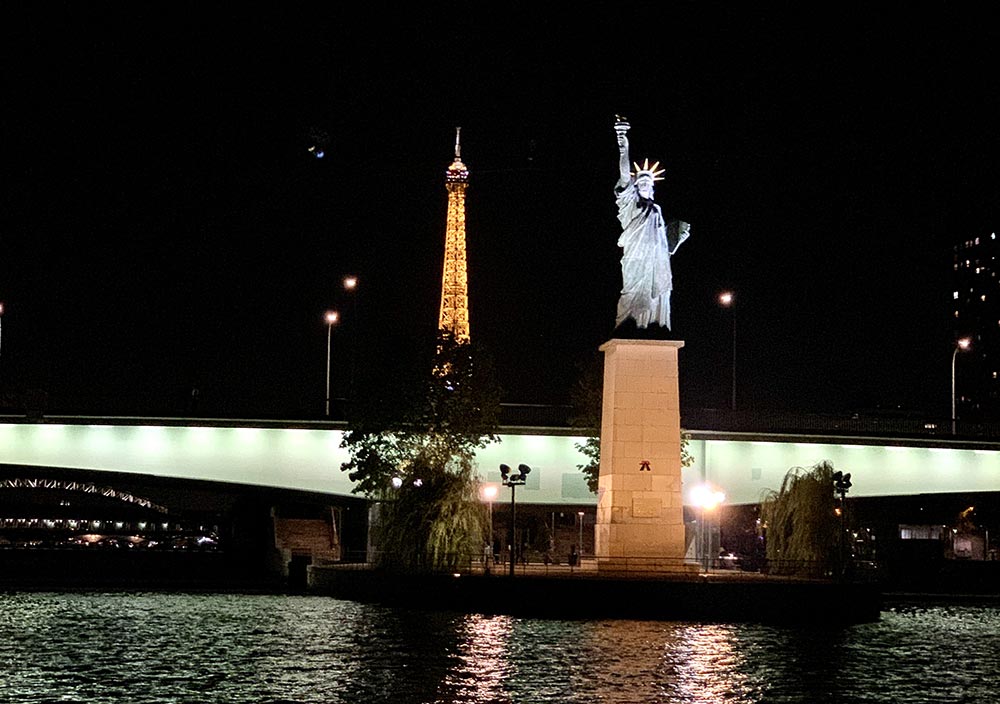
x: 454, y: 281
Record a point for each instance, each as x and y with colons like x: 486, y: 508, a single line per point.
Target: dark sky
x: 163, y: 226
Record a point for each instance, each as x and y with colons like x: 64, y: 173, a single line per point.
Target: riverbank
x: 720, y: 596
x: 545, y: 591
x: 116, y: 569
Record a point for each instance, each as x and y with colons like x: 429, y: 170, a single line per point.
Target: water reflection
x: 405, y: 653
x: 482, y: 665
x: 702, y: 664
x: 99, y: 648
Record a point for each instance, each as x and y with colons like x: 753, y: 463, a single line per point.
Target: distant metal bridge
x: 36, y: 483
x: 307, y: 456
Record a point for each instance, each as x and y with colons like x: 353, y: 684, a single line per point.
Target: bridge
x: 275, y: 488
x: 272, y: 492
x: 306, y: 456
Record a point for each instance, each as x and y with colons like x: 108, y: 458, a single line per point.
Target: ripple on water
x: 143, y: 647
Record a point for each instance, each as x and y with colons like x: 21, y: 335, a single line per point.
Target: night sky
x: 164, y: 226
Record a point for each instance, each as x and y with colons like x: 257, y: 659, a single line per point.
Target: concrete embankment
x: 721, y: 598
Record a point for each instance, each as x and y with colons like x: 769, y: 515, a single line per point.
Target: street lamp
x: 351, y: 285
x: 513, y: 480
x: 331, y: 319
x: 580, y: 540
x: 961, y: 344
x: 841, y: 485
x: 727, y: 299
x: 707, y: 498
x: 488, y: 492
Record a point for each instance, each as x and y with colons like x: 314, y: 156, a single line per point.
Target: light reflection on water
x: 270, y: 648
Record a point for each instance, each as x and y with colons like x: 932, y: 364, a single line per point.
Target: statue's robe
x: 647, y: 243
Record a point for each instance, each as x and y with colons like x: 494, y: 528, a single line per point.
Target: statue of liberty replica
x: 640, y: 510
x: 647, y: 241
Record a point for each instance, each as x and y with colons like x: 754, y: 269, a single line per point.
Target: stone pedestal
x: 640, y: 514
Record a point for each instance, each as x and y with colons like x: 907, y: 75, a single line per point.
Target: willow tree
x: 802, y: 528
x: 412, y: 444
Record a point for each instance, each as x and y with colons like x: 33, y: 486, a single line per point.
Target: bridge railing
x: 875, y: 423
x: 558, y: 419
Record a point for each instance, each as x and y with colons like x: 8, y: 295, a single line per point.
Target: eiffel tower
x: 454, y: 281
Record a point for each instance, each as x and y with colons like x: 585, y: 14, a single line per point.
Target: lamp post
x: 841, y: 485
x: 513, y: 480
x: 961, y: 344
x: 727, y: 299
x: 331, y: 319
x: 706, y: 498
x: 489, y: 492
x: 351, y: 286
x: 580, y: 540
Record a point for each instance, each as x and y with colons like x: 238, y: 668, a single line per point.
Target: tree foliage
x: 412, y: 444
x: 587, y: 398
x: 802, y: 529
x: 433, y: 524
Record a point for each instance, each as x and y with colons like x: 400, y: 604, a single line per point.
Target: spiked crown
x: 652, y: 171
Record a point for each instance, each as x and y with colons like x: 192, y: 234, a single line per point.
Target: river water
x: 216, y: 648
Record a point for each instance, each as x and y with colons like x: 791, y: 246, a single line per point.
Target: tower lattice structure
x: 454, y: 280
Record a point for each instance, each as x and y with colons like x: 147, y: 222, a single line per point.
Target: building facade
x: 976, y: 316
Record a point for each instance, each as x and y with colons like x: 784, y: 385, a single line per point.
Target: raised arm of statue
x: 621, y: 129
x: 623, y: 170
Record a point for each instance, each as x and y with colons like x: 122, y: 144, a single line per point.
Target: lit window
x: 956, y: 314
x: 993, y: 236
x: 983, y: 297
x: 994, y: 375
x: 977, y: 240
x: 955, y: 295
x: 977, y: 269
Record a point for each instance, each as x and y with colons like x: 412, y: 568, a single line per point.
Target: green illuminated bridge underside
x: 307, y: 457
